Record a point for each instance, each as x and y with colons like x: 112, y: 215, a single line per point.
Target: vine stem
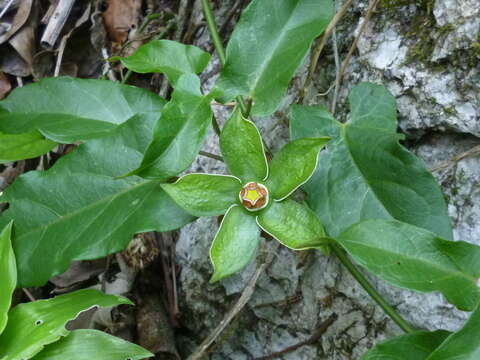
x: 362, y: 280
x: 217, y: 42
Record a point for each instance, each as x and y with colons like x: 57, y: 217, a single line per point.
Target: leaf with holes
x: 92, y: 344
x: 33, y: 325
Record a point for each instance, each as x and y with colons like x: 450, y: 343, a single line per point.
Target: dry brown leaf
x: 120, y: 17
x: 5, y: 85
x: 19, y: 57
x: 19, y: 19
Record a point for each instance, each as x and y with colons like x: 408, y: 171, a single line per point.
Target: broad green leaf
x: 463, y: 344
x: 92, y: 344
x: 416, y: 259
x: 372, y: 106
x: 293, y: 224
x: 8, y: 271
x: 416, y: 346
x: 204, y: 194
x: 365, y: 173
x: 78, y: 210
x: 242, y: 148
x: 67, y: 110
x: 33, y: 325
x: 267, y: 46
x: 180, y: 133
x: 294, y: 165
x: 235, y: 243
x: 169, y: 57
x: 23, y: 146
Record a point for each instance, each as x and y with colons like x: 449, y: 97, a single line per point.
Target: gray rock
x: 439, y: 109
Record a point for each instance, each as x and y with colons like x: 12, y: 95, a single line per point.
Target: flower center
x: 254, y: 196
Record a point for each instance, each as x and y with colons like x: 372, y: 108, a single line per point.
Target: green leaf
x: 204, y: 194
x: 242, y: 148
x: 416, y: 259
x: 179, y: 134
x: 372, y: 106
x: 462, y: 345
x: 78, y: 210
x: 36, y: 324
x: 294, y: 165
x: 8, y: 269
x: 23, y: 146
x: 92, y: 344
x: 293, y: 224
x: 169, y: 57
x: 67, y: 110
x: 267, y: 46
x: 235, y: 243
x: 365, y: 173
x: 416, y: 346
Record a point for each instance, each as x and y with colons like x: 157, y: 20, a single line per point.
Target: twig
x: 211, y: 156
x: 229, y: 16
x: 370, y: 10
x: 317, y: 51
x: 166, y: 242
x: 56, y: 23
x: 469, y: 153
x: 29, y: 294
x: 312, y: 340
x: 215, y: 125
x: 181, y: 19
x: 241, y: 302
x: 5, y: 9
x: 337, y: 73
x: 63, y: 42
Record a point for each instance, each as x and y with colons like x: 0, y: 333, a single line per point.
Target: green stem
x: 216, y: 127
x: 211, y: 156
x: 217, y: 42
x: 212, y: 27
x: 389, y: 310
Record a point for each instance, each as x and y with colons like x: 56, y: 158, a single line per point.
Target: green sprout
x: 254, y: 197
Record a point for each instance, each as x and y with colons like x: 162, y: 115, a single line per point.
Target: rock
x: 437, y: 99
x: 462, y: 18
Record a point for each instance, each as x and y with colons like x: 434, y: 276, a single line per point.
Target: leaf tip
x: 216, y: 277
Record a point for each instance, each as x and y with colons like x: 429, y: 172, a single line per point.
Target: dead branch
x: 317, y: 51
x: 56, y: 23
x: 310, y: 341
x: 235, y: 310
x: 475, y: 151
